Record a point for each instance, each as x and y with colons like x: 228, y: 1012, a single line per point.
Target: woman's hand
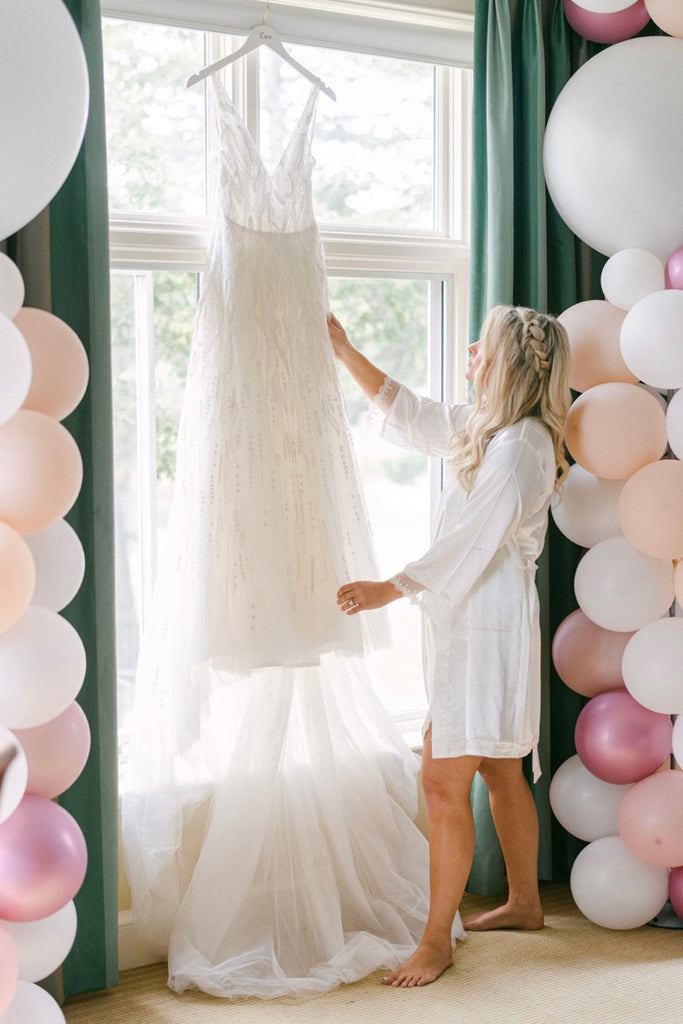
x: 364, y: 595
x: 338, y: 337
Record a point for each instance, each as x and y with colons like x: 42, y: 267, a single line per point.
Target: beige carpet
x: 571, y: 972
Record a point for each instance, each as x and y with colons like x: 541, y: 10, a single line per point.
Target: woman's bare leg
x: 514, y: 815
x: 447, y: 783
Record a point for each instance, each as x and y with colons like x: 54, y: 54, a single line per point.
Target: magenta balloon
x: 620, y: 741
x: 587, y: 658
x: 9, y: 969
x: 56, y: 752
x: 612, y: 27
x: 673, y: 271
x: 650, y: 819
x: 43, y: 859
x: 676, y: 890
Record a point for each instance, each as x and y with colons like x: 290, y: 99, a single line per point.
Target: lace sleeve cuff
x: 382, y: 402
x: 409, y: 588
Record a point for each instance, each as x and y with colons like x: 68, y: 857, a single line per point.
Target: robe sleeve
x: 413, y: 421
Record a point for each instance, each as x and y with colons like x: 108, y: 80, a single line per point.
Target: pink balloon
x: 9, y: 969
x: 676, y: 890
x: 593, y: 328
x: 18, y: 576
x: 673, y: 271
x: 60, y: 365
x: 667, y: 15
x: 43, y: 859
x: 620, y: 741
x: 587, y: 658
x: 56, y: 752
x: 40, y: 471
x: 650, y: 819
x: 651, y: 509
x: 614, y: 429
x: 607, y: 28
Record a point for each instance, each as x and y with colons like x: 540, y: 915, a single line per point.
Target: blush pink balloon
x: 593, y: 329
x: 673, y: 270
x: 587, y: 658
x: 676, y: 890
x: 650, y: 819
x: 17, y: 576
x: 9, y: 969
x: 56, y: 752
x: 667, y: 15
x: 612, y: 27
x: 651, y: 509
x: 614, y: 429
x: 41, y: 471
x: 60, y: 364
x: 43, y: 859
x: 620, y: 741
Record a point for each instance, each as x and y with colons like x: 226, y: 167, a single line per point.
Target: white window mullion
x: 146, y: 432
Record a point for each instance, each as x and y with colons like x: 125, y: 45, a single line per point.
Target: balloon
x: 34, y: 1004
x: 612, y: 154
x: 651, y: 509
x: 43, y: 859
x: 673, y: 272
x: 619, y: 741
x: 674, y: 423
x: 652, y: 666
x: 651, y: 819
x: 43, y: 945
x: 9, y: 969
x: 614, y: 889
x: 60, y: 565
x: 587, y: 658
x: 610, y: 27
x: 676, y: 890
x: 17, y: 576
x: 651, y: 338
x: 11, y: 287
x: 56, y: 752
x: 677, y: 741
x: 584, y: 805
x: 60, y: 365
x: 42, y: 668
x: 44, y: 90
x: 40, y: 471
x: 586, y: 512
x: 630, y: 275
x: 604, y: 6
x: 15, y: 777
x: 667, y: 15
x: 15, y: 369
x: 593, y: 329
x: 622, y: 589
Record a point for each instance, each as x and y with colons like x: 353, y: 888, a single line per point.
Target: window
x: 390, y: 192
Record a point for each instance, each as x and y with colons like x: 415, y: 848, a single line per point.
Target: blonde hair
x: 523, y: 372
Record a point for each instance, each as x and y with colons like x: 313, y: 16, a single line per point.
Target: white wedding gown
x: 268, y: 811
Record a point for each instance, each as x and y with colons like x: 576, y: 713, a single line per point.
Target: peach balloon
x: 651, y: 509
x: 650, y: 819
x: 614, y: 429
x: 667, y: 15
x: 587, y: 658
x: 40, y: 471
x: 594, y: 329
x: 56, y: 752
x: 60, y: 365
x: 17, y: 576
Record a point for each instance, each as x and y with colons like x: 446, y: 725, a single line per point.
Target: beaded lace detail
x: 409, y: 588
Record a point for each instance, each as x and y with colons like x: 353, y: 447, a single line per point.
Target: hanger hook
x: 265, y: 13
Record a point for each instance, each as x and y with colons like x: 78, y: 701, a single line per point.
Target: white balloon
x: 621, y: 589
x: 43, y: 106
x: 15, y: 369
x: 60, y: 565
x: 652, y: 666
x: 613, y: 148
x: 11, y: 287
x: 651, y: 338
x: 614, y: 889
x: 15, y: 777
x: 630, y: 275
x: 586, y: 513
x: 604, y: 6
x: 42, y: 667
x: 678, y: 741
x: 674, y: 424
x: 585, y: 806
x: 42, y: 946
x: 34, y: 1004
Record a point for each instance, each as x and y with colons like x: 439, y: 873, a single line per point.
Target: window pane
x: 374, y: 147
x: 155, y: 126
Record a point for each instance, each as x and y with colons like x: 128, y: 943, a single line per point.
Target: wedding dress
x: 268, y: 812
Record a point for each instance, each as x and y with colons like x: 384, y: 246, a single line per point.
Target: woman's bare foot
x: 426, y: 964
x: 525, y: 917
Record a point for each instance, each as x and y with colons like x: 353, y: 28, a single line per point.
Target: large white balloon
x: 15, y: 368
x: 652, y: 666
x: 585, y: 806
x: 621, y: 589
x: 630, y: 275
x: 613, y: 149
x: 15, y: 777
x: 43, y: 106
x: 11, y: 287
x: 45, y: 944
x: 651, y: 338
x: 60, y: 564
x: 614, y: 889
x: 586, y: 513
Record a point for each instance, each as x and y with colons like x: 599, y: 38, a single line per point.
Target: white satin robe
x: 481, y: 634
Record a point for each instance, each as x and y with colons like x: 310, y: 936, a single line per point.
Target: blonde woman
x: 504, y: 458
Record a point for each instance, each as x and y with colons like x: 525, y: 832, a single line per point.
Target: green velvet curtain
x: 524, y: 254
